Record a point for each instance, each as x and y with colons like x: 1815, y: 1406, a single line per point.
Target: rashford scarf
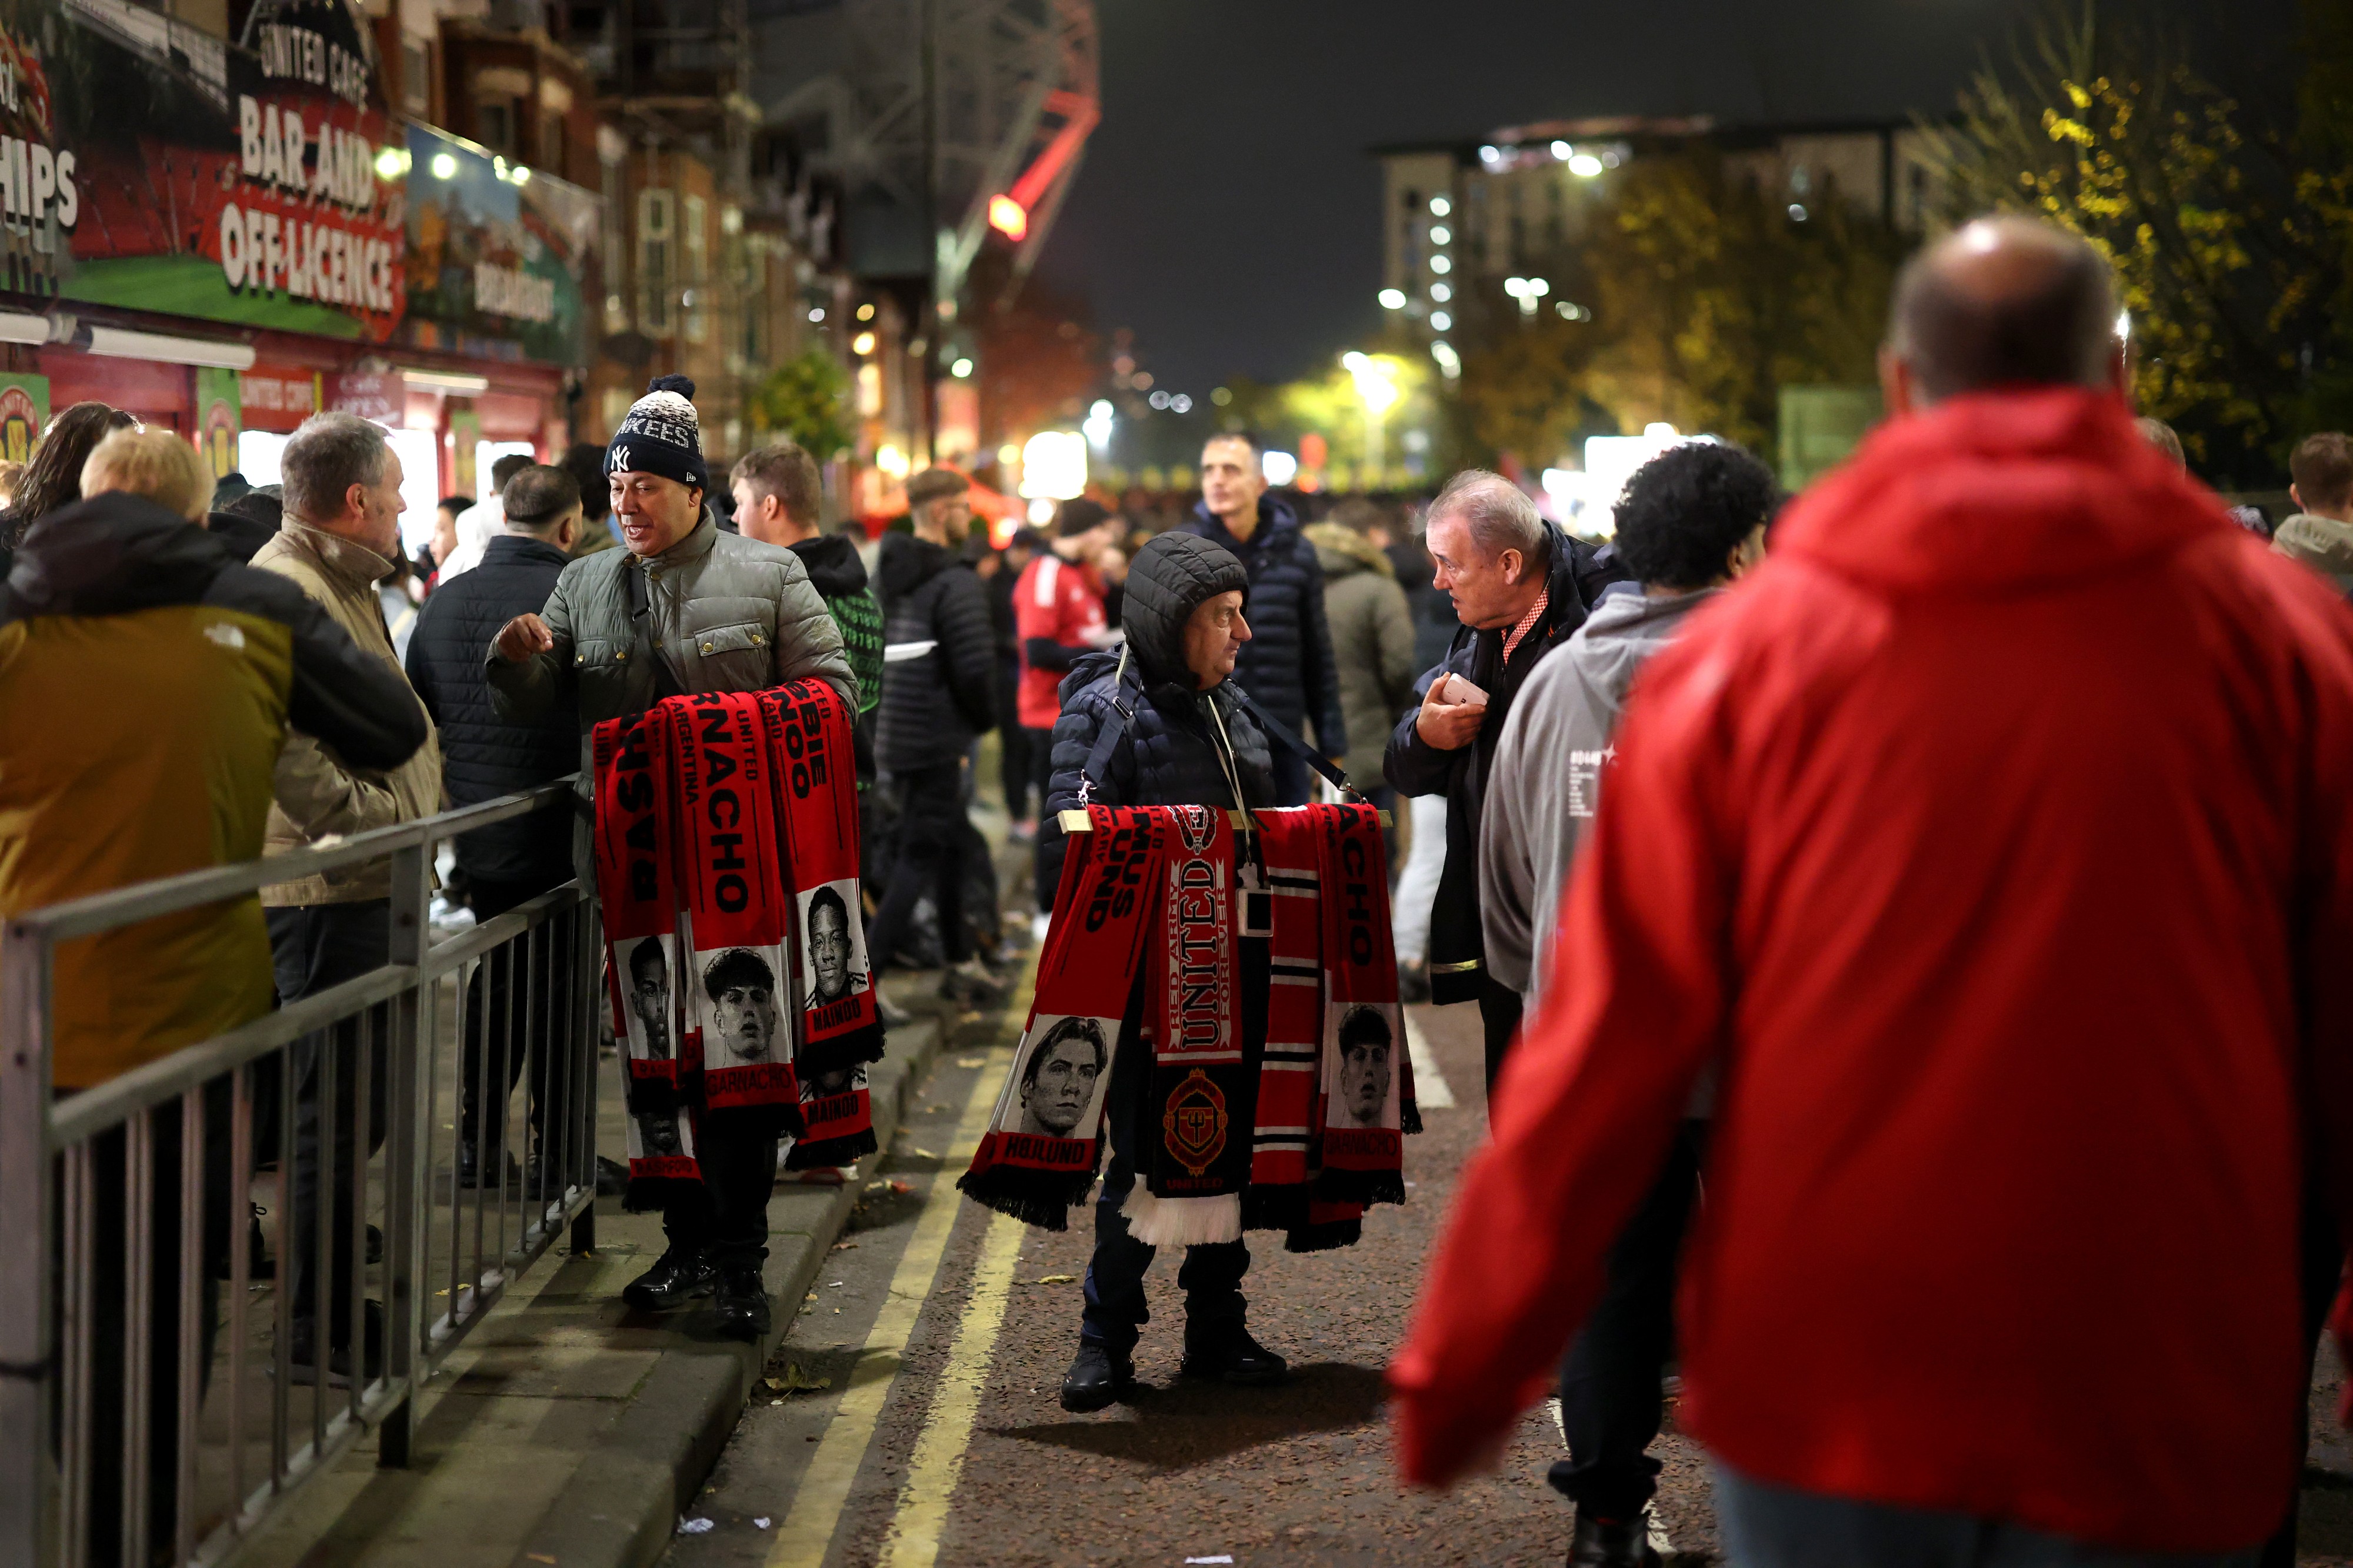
x: 840, y: 1028
x: 1045, y: 1141
x: 639, y: 893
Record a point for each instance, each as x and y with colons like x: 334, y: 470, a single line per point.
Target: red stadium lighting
x: 1007, y: 217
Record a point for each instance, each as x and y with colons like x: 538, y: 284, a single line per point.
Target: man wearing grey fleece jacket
x: 1690, y: 520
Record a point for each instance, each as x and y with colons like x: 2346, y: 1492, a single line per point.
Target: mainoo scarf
x: 840, y: 1027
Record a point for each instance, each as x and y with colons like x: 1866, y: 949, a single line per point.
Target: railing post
x: 27, y: 1359
x: 404, y: 1175
x: 587, y: 1000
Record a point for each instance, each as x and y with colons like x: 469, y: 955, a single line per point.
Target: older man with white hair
x: 1520, y: 586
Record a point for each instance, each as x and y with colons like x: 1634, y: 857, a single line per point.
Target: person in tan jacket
x: 339, y: 538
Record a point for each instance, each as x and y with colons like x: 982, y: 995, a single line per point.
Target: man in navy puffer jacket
x: 1287, y: 666
x: 1184, y: 627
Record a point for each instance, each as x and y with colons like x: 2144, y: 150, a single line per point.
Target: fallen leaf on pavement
x: 1060, y: 1280
x: 971, y: 1061
x: 795, y: 1381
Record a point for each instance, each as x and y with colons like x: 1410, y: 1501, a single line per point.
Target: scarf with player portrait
x: 734, y: 913
x: 1045, y: 1141
x: 638, y: 895
x: 1367, y: 1073
x: 839, y: 1027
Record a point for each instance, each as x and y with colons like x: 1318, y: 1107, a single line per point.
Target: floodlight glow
x: 1280, y: 468
x: 1054, y: 466
x: 1439, y: 206
x: 1442, y: 235
x: 961, y: 370
x: 1392, y: 299
x: 444, y: 166
x: 1562, y: 150
x: 1440, y: 320
x: 1584, y: 165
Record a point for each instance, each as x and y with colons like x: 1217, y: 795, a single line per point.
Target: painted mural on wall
x: 145, y: 163
x: 498, y: 255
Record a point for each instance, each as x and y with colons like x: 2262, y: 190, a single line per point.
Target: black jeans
x: 930, y: 860
x: 1611, y: 1380
x: 312, y: 947
x: 2321, y: 1262
x: 1211, y: 1277
x: 1499, y: 1016
x: 528, y: 983
x: 110, y: 1351
x: 1040, y: 745
x: 725, y: 1216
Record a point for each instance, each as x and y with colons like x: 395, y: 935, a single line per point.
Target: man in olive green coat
x: 1372, y: 640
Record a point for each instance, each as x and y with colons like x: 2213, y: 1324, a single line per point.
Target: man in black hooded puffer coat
x: 1183, y: 617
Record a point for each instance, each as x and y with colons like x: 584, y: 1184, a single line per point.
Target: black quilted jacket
x: 1168, y: 757
x: 934, y: 705
x: 1287, y: 663
x: 482, y: 755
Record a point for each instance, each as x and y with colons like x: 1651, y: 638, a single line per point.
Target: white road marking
x: 1431, y: 1090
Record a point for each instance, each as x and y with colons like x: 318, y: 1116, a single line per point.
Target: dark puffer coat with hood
x: 1170, y: 755
x: 935, y: 705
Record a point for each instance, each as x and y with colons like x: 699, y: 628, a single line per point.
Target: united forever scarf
x: 840, y: 1027
x: 1045, y: 1141
x: 1368, y: 1099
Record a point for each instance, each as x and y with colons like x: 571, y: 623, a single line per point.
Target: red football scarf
x: 1367, y: 1072
x: 634, y: 884
x: 730, y: 894
x: 1202, y: 1095
x: 1044, y: 1143
x: 808, y: 738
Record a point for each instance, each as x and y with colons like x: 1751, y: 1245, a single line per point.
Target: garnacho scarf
x: 732, y: 901
x: 635, y: 886
x: 841, y: 1029
x: 1045, y: 1141
x: 1240, y: 1116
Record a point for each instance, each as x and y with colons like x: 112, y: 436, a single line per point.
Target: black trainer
x: 674, y: 1280
x: 1225, y: 1352
x: 742, y: 1298
x: 1601, y: 1543
x: 1096, y: 1378
x: 472, y: 1176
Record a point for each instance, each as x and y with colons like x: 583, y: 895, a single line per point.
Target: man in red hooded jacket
x: 1994, y: 838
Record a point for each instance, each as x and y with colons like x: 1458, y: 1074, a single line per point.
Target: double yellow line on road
x: 807, y: 1532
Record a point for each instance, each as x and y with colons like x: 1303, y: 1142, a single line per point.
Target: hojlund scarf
x: 1045, y: 1142
x: 1136, y: 877
x: 840, y: 1028
x: 635, y: 884
x: 734, y: 913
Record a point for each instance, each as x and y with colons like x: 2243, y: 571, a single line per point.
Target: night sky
x: 1228, y: 212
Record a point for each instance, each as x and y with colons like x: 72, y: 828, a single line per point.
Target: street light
x: 1378, y: 392
x: 1527, y: 291
x: 1392, y: 299
x: 1584, y: 165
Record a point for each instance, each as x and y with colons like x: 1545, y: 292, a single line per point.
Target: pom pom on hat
x: 660, y: 434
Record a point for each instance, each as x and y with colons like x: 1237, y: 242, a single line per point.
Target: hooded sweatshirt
x: 2322, y: 544
x: 1991, y: 837
x: 1180, y: 745
x: 1547, y: 782
x: 839, y: 575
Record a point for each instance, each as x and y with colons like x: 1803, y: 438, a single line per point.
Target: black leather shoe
x: 1096, y: 1379
x: 673, y: 1281
x: 1599, y: 1544
x: 471, y: 1175
x: 742, y: 1298
x: 1226, y: 1353
x: 302, y: 1352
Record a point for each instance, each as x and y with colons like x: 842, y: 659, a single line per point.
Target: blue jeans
x: 1769, y: 1526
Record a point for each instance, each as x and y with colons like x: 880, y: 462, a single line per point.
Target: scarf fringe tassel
x: 1182, y: 1222
x: 1034, y: 1197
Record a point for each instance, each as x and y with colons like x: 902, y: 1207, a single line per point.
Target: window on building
x: 699, y: 284
x: 657, y: 261
x: 495, y: 122
x: 555, y: 146
x: 417, y: 77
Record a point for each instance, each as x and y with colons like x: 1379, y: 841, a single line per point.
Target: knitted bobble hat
x: 660, y: 434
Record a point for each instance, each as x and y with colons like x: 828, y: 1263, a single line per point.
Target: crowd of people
x: 1966, y: 922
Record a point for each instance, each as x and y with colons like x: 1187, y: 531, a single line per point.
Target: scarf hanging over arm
x: 639, y: 899
x: 1045, y: 1141
x: 808, y: 732
x: 731, y: 891
x: 1367, y: 1072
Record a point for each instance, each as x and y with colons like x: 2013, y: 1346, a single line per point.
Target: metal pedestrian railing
x: 171, y: 1366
